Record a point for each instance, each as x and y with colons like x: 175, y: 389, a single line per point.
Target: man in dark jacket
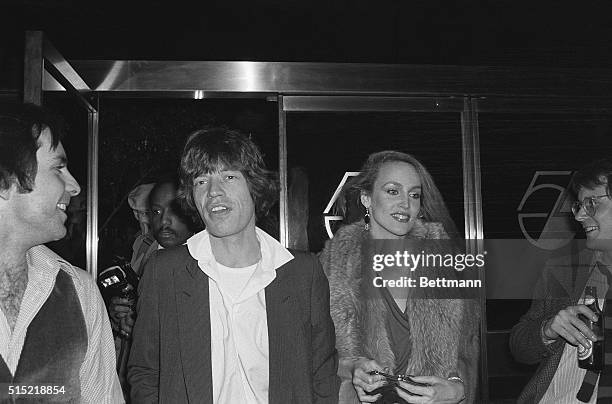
x: 169, y: 227
x: 233, y: 316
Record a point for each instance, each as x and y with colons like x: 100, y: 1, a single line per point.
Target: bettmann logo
x: 557, y: 230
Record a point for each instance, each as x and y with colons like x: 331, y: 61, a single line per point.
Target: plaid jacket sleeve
x: 526, y: 343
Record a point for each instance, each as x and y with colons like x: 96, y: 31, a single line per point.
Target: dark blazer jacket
x: 560, y: 285
x: 170, y: 358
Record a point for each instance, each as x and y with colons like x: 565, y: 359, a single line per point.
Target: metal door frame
x: 317, y: 87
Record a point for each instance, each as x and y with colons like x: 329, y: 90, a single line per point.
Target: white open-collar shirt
x: 238, y: 322
x: 99, y: 381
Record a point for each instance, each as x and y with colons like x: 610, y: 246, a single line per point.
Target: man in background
x: 169, y: 227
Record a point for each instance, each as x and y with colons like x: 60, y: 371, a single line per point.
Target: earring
x: 420, y: 215
x: 366, y: 219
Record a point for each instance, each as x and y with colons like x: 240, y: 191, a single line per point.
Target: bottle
x: 594, y: 357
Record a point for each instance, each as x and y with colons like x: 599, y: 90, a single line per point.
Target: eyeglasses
x: 589, y: 204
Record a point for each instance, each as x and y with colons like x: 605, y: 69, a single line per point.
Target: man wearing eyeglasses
x: 551, y: 333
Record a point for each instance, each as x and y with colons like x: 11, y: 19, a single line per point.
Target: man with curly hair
x: 233, y: 316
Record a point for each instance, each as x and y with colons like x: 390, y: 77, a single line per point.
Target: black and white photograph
x: 283, y: 201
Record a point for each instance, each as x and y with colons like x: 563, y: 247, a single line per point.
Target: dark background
x: 471, y: 32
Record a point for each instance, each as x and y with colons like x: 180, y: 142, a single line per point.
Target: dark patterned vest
x: 54, y: 348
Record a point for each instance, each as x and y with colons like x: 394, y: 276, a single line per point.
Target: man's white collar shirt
x: 99, y: 381
x: 568, y: 378
x: 239, y: 325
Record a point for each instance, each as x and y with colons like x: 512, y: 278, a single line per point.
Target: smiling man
x: 55, y: 338
x: 233, y: 316
x: 551, y: 333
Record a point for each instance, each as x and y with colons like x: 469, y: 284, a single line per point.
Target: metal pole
x: 92, y: 192
x: 473, y: 220
x: 282, y: 169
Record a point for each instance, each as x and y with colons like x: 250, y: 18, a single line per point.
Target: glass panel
x: 527, y: 161
x: 139, y: 139
x: 323, y: 146
x: 74, y: 117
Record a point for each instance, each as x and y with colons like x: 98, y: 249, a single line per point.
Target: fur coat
x: 443, y: 332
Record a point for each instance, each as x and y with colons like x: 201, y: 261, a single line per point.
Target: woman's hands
x: 364, y: 382
x: 439, y: 391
